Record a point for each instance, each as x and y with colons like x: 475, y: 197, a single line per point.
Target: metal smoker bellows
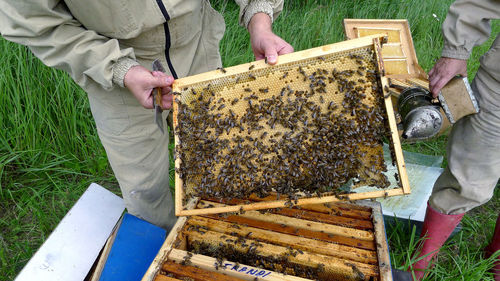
x: 421, y: 117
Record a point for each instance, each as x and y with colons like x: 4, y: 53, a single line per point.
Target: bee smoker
x: 421, y: 118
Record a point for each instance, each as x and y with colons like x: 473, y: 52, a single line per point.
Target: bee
x: 247, y: 90
x: 222, y: 69
x: 251, y: 67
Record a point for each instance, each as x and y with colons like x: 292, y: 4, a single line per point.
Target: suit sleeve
x: 467, y: 25
x: 60, y: 41
x: 248, y: 8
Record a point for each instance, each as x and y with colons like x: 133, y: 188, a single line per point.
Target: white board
x: 411, y: 206
x: 71, y: 249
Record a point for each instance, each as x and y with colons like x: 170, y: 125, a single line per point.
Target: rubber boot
x: 493, y: 247
x: 435, y: 231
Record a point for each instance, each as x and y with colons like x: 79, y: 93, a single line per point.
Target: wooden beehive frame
x: 363, y: 236
x: 399, y: 48
x: 369, y: 41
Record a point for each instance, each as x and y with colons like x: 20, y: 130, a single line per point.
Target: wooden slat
x: 330, y: 219
x: 160, y: 277
x: 384, y: 262
x: 245, y: 272
x: 312, y: 216
x: 340, y: 204
x: 283, y: 204
x: 305, y: 224
x: 419, y: 82
x: 343, y: 209
x: 338, y: 209
x: 297, y: 242
x: 197, y: 274
x: 399, y: 83
x: 281, y: 228
x: 331, y: 264
x: 103, y: 258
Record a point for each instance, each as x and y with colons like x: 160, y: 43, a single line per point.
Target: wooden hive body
x: 336, y: 241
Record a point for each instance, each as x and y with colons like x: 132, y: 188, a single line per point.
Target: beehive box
x: 310, y: 128
x: 331, y: 241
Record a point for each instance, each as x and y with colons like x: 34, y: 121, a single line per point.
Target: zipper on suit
x: 167, y: 38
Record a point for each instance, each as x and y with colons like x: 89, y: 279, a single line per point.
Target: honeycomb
x: 303, y: 128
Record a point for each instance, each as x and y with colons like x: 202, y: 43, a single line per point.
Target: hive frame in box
x: 170, y: 249
x: 374, y: 42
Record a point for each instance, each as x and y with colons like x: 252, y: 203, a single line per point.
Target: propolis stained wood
x: 246, y: 247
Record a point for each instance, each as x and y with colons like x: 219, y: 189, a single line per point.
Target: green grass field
x: 50, y: 152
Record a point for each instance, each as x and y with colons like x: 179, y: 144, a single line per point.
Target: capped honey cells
x: 307, y: 127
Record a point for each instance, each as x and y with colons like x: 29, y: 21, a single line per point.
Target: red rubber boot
x: 493, y: 247
x: 436, y: 230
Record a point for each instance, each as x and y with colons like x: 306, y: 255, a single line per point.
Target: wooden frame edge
x: 283, y: 203
x: 179, y: 191
x: 283, y: 59
x: 103, y: 257
x: 384, y: 261
x: 208, y: 263
x: 403, y: 176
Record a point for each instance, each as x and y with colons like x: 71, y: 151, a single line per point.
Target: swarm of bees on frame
x: 252, y: 256
x: 304, y: 128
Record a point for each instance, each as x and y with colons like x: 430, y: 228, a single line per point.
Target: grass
x: 50, y: 152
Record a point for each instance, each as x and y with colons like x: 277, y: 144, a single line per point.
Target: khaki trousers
x: 138, y: 153
x: 474, y: 146
x: 136, y: 149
